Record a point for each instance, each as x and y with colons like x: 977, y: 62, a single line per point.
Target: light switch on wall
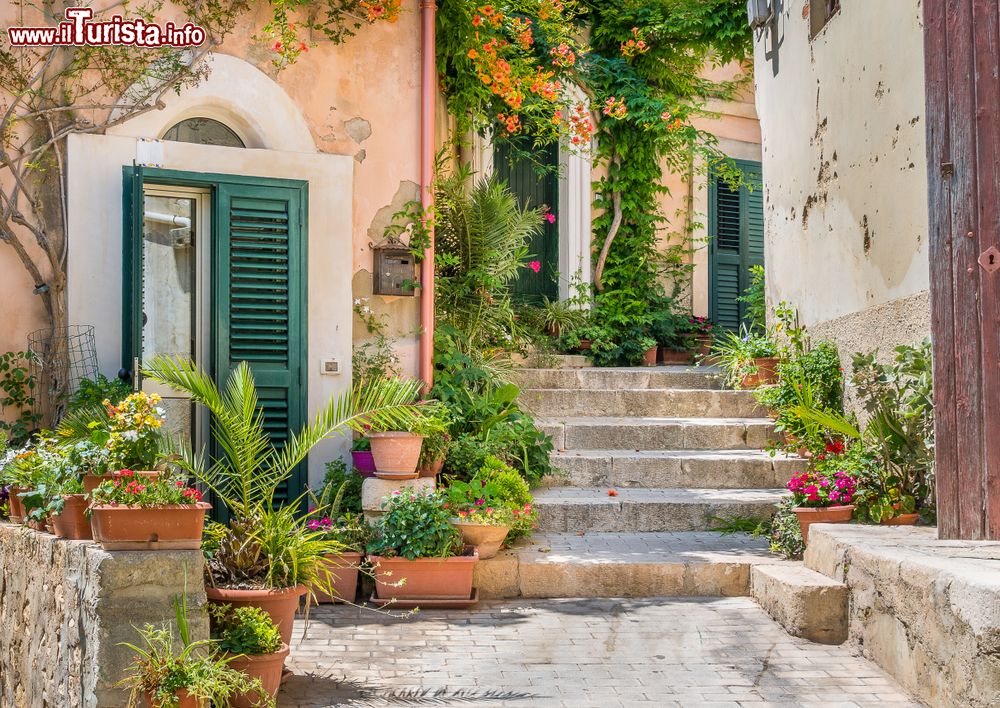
x: 329, y: 367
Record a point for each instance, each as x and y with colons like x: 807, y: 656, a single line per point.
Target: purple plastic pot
x: 364, y: 463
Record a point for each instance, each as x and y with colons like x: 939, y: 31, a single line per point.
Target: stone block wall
x: 66, y: 605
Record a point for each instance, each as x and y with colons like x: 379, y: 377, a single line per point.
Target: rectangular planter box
x: 425, y: 578
x: 133, y: 528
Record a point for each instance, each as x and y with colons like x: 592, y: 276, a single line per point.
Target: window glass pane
x: 203, y: 131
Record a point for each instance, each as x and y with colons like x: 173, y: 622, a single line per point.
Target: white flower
x: 131, y: 435
x: 357, y: 301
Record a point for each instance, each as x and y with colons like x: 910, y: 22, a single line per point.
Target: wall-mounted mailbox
x: 395, y: 271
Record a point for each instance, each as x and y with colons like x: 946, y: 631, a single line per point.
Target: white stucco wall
x: 95, y: 247
x: 842, y: 123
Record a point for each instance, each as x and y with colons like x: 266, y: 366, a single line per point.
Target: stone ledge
x: 804, y: 602
x: 65, y: 606
x: 927, y: 611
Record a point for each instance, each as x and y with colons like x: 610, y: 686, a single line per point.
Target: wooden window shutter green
x: 736, y: 231
x: 259, y: 301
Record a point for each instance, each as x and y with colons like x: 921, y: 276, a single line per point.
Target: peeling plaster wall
x: 842, y: 123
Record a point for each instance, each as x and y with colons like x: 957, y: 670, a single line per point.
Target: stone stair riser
x: 670, y: 472
x: 676, y: 435
x: 676, y: 403
x: 616, y: 379
x: 643, y: 516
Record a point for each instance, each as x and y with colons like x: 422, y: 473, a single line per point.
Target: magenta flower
x: 550, y: 217
x: 535, y: 265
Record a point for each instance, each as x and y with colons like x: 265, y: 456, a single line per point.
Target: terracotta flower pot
x: 184, y: 700
x: 767, y: 373
x: 584, y: 345
x: 649, y: 358
x: 672, y: 356
x: 266, y: 667
x: 134, y: 528
x: 705, y: 342
x: 15, y: 505
x: 396, y: 454
x: 426, y: 578
x: 901, y: 520
x: 38, y: 526
x: 432, y: 469
x: 343, y: 577
x: 486, y: 539
x: 822, y: 515
x: 364, y: 463
x: 93, y: 481
x: 280, y: 604
x: 73, y: 523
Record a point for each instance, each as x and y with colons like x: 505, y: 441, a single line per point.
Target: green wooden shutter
x: 259, y: 301
x: 533, y: 190
x: 736, y: 230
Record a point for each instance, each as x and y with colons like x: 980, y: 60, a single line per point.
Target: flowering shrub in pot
x: 131, y: 512
x: 252, y: 645
x: 418, y: 554
x: 265, y: 555
x: 822, y: 498
x: 131, y: 434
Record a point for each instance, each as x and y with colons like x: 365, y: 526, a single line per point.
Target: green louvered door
x: 736, y: 230
x: 534, y: 190
x: 259, y: 301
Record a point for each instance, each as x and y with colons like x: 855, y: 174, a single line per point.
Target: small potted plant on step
x: 171, y: 671
x: 749, y: 357
x: 252, y: 645
x: 434, y: 427
x: 418, y: 554
x: 822, y: 498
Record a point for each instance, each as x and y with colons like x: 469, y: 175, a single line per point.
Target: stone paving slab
x: 620, y: 401
x: 665, y: 652
x: 622, y: 377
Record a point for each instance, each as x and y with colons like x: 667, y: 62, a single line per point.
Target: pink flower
x: 550, y: 217
x: 535, y: 266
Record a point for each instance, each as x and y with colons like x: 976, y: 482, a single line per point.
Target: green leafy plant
x: 735, y: 352
x: 244, y: 630
x: 266, y: 545
x: 17, y: 394
x: 160, y: 669
x: 510, y: 490
x: 415, y: 523
x: 92, y: 393
x: 375, y: 358
x: 786, y: 532
x: 342, y: 484
x: 754, y: 298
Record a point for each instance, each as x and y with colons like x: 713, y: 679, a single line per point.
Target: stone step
x: 702, y: 469
x: 556, y: 361
x: 654, y: 433
x: 676, y: 402
x: 576, y: 509
x: 613, y: 379
x: 806, y: 603
x: 563, y: 565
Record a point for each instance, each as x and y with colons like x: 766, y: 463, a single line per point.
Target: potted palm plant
x: 171, y: 671
x: 252, y: 645
x: 266, y: 556
x: 418, y: 554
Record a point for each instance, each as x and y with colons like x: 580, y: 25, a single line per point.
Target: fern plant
x: 264, y: 545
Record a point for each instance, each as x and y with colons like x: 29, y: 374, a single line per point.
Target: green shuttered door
x: 259, y: 276
x: 736, y: 228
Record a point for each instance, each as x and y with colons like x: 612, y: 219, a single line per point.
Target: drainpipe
x: 428, y: 85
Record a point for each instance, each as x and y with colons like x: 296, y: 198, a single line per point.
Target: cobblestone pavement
x: 702, y: 652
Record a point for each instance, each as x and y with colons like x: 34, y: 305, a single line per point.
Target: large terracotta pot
x: 364, y: 463
x: 134, y: 528
x: 73, y: 523
x: 266, y: 667
x: 184, y: 700
x: 344, y: 578
x: 822, y: 515
x: 280, y: 604
x: 93, y: 481
x: 649, y: 358
x: 426, y: 578
x: 901, y: 520
x: 396, y: 454
x: 15, y: 505
x: 672, y: 356
x: 767, y: 373
x: 433, y: 469
x: 486, y: 539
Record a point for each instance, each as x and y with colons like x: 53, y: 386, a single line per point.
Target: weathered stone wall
x: 926, y: 611
x: 66, y: 605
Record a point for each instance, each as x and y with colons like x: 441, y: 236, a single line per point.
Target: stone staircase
x: 648, y: 460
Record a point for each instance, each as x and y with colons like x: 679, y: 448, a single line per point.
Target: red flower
x: 612, y: 493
